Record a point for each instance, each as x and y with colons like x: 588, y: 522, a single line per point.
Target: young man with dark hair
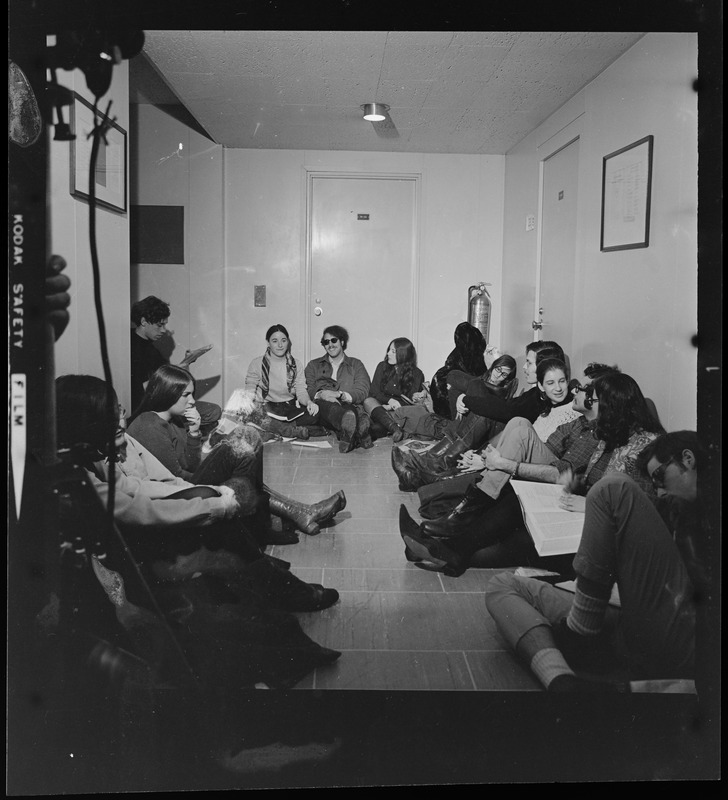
x: 648, y: 551
x: 150, y: 316
x: 339, y: 384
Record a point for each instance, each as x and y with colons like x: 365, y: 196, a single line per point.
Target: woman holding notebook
x: 397, y: 381
x: 276, y: 379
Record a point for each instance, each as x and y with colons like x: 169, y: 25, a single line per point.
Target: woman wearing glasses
x: 397, y: 382
x: 339, y: 384
x: 486, y: 528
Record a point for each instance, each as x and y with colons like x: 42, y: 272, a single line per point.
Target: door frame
x: 570, y: 133
x: 311, y: 175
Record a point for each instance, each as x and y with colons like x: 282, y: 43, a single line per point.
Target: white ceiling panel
x: 449, y: 92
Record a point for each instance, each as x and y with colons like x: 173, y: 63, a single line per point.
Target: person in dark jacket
x: 488, y: 417
x: 397, y: 381
x: 338, y: 384
x: 467, y: 356
x: 150, y: 317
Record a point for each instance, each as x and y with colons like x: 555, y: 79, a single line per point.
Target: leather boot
x: 289, y: 430
x: 467, y: 512
x: 382, y: 418
x: 362, y: 429
x: 409, y: 477
x: 297, y: 513
x: 428, y: 553
x: 325, y: 510
x: 348, y: 437
x: 320, y: 512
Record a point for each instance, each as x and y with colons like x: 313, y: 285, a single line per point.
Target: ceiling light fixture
x: 375, y: 112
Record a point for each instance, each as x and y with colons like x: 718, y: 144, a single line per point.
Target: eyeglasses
x: 577, y: 387
x: 658, y: 475
x: 332, y: 340
x: 501, y: 371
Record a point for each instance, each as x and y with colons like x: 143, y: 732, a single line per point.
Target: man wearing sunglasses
x: 649, y: 551
x: 338, y: 384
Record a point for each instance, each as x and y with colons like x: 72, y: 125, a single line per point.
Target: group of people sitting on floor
x: 194, y: 513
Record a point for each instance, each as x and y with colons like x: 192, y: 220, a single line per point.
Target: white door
x: 362, y: 270
x: 555, y: 311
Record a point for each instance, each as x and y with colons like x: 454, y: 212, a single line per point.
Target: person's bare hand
x: 192, y: 355
x: 572, y: 502
x: 329, y: 395
x: 460, y: 407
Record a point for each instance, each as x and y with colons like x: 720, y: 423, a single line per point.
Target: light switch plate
x: 259, y: 297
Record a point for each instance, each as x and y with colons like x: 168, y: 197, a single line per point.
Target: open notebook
x: 553, y: 530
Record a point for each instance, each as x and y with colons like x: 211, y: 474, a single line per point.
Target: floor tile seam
x: 468, y: 667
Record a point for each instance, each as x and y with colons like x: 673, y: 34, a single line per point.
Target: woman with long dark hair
x: 167, y: 424
x: 276, y: 379
x: 467, y: 356
x: 397, y: 381
x: 226, y: 602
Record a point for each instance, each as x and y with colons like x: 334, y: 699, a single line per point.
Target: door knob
x: 317, y: 312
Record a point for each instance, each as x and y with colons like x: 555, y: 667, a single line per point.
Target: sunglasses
x: 332, y: 340
x: 658, y: 475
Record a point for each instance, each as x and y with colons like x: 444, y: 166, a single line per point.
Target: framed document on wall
x: 626, y: 195
x: 110, y: 173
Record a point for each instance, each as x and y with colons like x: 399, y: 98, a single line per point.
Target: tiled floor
x: 398, y: 627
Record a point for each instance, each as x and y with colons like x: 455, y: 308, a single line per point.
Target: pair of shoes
x: 586, y: 653
x: 469, y: 510
x: 314, y: 598
x: 427, y: 549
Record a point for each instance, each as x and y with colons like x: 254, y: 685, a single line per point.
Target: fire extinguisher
x: 479, y: 308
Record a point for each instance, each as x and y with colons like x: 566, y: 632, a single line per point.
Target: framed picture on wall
x: 626, y: 195
x: 110, y: 173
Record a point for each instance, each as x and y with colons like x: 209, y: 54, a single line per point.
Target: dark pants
x: 236, y: 462
x: 331, y: 414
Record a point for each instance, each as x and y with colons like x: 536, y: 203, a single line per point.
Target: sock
x: 549, y: 664
x: 591, y: 599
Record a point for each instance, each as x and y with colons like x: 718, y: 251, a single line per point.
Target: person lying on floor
x: 169, y: 397
x: 615, y: 427
x: 226, y: 600
x: 276, y: 380
x: 648, y: 551
x: 554, y: 398
x: 486, y: 414
x: 339, y: 384
x: 397, y: 381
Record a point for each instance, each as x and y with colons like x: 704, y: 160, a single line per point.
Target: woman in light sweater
x: 277, y: 380
x: 167, y: 423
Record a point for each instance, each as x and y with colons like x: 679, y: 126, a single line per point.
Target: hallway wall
x: 637, y: 308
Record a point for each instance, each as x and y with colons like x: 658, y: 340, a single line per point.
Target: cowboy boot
x: 468, y: 511
x: 363, y: 425
x: 320, y: 512
x: 409, y: 477
x: 382, y: 418
x: 347, y: 434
